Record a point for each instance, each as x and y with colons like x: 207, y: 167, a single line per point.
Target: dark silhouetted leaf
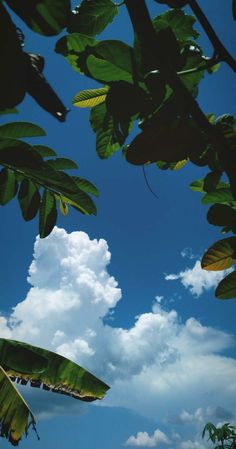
x: 18, y: 154
x: 29, y: 199
x: 47, y: 17
x: 234, y: 9
x: 90, y: 18
x: 226, y: 289
x: 9, y: 111
x: 220, y: 256
x: 8, y: 186
x: 47, y: 214
x: 222, y: 215
x: 17, y: 130
x: 211, y: 181
x: 44, y: 151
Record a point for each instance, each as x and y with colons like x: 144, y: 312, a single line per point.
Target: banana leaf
x: 50, y: 372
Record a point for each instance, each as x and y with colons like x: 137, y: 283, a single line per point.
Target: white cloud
x: 158, y: 367
x: 189, y: 444
x: 197, y: 280
x: 187, y: 253
x: 145, y: 440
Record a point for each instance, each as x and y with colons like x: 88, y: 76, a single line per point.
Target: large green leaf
x: 76, y: 47
x: 15, y: 415
x: 103, y: 124
x: 47, y: 17
x: 112, y: 62
x: 47, y: 214
x: 8, y: 186
x: 220, y: 256
x: 21, y: 358
x: 222, y: 215
x: 91, y: 17
x: 227, y: 287
x: 29, y: 199
x: 180, y: 23
x: 62, y: 376
x: 221, y: 195
x: 90, y: 98
x: 15, y: 130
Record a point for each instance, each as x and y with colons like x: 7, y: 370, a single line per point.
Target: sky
x: 122, y: 293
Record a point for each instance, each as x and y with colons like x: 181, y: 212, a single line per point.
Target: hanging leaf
x: 29, y: 199
x: 220, y: 256
x: 62, y: 163
x: 63, y: 205
x: 85, y: 186
x: 91, y: 18
x: 103, y: 125
x: 47, y: 17
x: 44, y: 151
x: 222, y: 215
x: 226, y: 289
x: 47, y: 214
x: 90, y: 98
x: 60, y: 376
x: 16, y: 130
x: 8, y: 186
x: 15, y: 415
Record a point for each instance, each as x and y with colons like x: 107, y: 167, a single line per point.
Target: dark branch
x: 219, y: 48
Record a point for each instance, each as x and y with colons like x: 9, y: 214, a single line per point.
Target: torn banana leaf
x: 60, y: 375
x: 15, y: 415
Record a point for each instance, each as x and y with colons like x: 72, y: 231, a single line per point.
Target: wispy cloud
x: 196, y: 279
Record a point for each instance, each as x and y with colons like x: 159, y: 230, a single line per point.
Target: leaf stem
x: 219, y: 48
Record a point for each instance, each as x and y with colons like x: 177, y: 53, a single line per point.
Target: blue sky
x: 166, y: 347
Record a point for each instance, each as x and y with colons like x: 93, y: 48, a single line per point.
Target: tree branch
x: 219, y: 48
x: 145, y: 32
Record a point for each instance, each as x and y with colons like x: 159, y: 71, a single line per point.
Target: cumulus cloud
x: 158, y: 367
x: 145, y: 440
x: 197, y: 280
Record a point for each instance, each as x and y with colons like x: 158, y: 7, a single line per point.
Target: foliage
x: 223, y: 437
x: 38, y: 367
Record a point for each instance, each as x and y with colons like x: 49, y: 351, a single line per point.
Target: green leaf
x: 29, y: 199
x: 62, y: 163
x: 62, y: 376
x: 44, y: 151
x: 221, y: 195
x: 112, y: 62
x: 92, y: 17
x: 103, y: 125
x: 9, y: 111
x: 220, y: 256
x: 180, y: 23
x: 47, y: 214
x: 15, y: 414
x: 90, y: 98
x: 226, y: 289
x: 85, y: 186
x: 8, y: 186
x: 234, y: 9
x: 76, y: 47
x: 17, y: 130
x: 222, y: 215
x: 198, y: 185
x: 20, y: 358
x: 47, y: 17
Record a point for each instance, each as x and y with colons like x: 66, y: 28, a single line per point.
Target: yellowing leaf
x: 90, y: 98
x: 220, y: 256
x: 179, y: 164
x: 63, y: 206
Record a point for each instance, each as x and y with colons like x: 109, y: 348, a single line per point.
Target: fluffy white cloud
x: 158, y: 367
x: 145, y: 440
x: 197, y: 280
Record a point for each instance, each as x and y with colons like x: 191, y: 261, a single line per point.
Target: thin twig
x: 147, y: 183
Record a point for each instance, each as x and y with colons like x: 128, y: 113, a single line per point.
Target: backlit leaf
x: 226, y: 289
x: 91, y: 17
x: 90, y: 98
x: 15, y: 415
x: 221, y: 195
x: 220, y: 256
x: 62, y: 376
x: 180, y: 23
x: 21, y: 358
